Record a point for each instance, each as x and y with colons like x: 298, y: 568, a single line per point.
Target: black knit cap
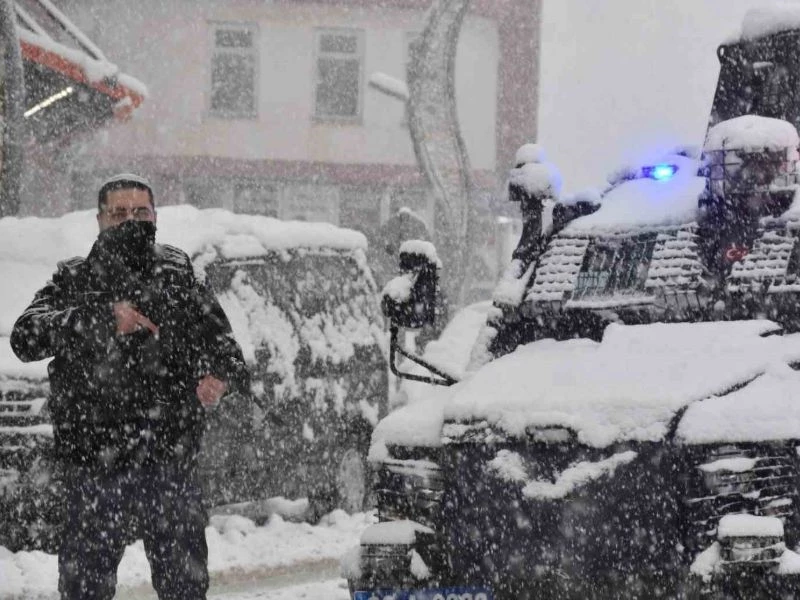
x: 123, y: 181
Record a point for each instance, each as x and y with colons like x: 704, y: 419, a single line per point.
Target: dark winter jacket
x: 128, y: 399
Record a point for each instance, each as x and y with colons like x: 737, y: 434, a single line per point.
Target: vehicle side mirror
x: 410, y: 299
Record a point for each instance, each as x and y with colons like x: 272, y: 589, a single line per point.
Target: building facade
x: 265, y: 107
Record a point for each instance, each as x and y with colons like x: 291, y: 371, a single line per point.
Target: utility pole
x: 438, y: 143
x: 13, y: 83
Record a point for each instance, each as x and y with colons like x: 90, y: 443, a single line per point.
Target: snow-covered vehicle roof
x: 645, y: 203
x: 762, y: 21
x: 31, y: 247
x: 660, y: 216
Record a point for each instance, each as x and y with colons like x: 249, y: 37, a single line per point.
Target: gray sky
x: 628, y: 79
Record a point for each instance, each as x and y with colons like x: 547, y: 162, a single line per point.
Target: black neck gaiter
x: 128, y: 246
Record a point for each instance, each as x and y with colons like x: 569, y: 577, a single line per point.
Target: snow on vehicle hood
x: 626, y: 388
x: 418, y: 415
x: 767, y: 409
x: 645, y: 202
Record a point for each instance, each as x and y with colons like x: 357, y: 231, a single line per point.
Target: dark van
x: 304, y: 308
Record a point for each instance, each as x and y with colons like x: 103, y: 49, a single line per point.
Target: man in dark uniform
x: 139, y: 349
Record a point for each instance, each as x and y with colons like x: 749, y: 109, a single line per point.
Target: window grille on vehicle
x: 732, y: 479
x: 409, y: 489
x: 612, y: 266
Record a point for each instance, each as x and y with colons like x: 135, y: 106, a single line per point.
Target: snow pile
x: 576, y: 476
x: 393, y: 532
x: 399, y: 288
x: 421, y: 248
x: 537, y: 179
x: 706, y: 563
x: 257, y: 323
x: 529, y: 153
x: 744, y: 525
x: 418, y: 422
x: 511, y: 287
x: 763, y: 21
x: 235, y: 546
x: 533, y: 174
x: 628, y: 387
x: 96, y: 71
x: 646, y: 202
x: 766, y: 409
x: 508, y: 466
x: 732, y: 465
x: 751, y: 133
x: 418, y: 567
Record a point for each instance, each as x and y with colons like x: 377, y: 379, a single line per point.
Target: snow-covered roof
x: 56, y: 43
x: 751, y: 133
x: 665, y: 209
x: 628, y: 387
x: 765, y: 20
x: 646, y: 203
x: 30, y: 248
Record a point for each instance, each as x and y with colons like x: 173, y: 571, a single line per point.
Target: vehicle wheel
x: 352, y: 481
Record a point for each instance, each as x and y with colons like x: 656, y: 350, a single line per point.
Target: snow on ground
x: 236, y: 547
x: 334, y: 589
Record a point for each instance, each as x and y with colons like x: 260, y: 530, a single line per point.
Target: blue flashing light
x: 660, y: 172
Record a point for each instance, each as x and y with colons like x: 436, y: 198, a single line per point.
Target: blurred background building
x: 265, y: 107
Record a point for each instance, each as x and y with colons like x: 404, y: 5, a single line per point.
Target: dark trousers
x: 105, y: 511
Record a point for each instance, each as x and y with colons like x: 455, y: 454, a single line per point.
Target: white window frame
x: 214, y: 27
x: 359, y: 35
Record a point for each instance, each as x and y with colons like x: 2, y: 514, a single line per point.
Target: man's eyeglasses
x: 140, y: 213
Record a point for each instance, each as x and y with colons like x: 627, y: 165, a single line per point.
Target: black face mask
x: 130, y: 244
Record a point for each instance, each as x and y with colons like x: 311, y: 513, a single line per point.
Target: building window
x: 613, y: 267
x: 234, y: 64
x: 340, y: 60
x: 255, y: 198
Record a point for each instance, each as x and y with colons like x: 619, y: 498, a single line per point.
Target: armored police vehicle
x: 629, y: 421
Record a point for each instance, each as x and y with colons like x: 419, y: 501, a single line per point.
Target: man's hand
x: 210, y: 390
x: 130, y: 320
